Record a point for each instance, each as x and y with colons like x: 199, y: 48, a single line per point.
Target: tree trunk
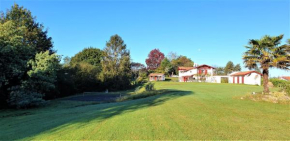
x: 265, y: 81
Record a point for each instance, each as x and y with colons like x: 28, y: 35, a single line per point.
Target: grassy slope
x: 198, y: 111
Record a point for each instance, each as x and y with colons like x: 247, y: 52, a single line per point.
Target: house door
x: 155, y: 78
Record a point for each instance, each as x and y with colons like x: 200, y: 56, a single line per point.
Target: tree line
x: 229, y: 68
x: 31, y: 72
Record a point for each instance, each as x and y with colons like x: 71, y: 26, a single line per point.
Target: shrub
x: 284, y: 85
x: 149, y: 87
x: 21, y: 98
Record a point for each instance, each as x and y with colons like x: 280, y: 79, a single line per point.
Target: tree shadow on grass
x: 43, y: 122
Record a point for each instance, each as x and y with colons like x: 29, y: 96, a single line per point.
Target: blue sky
x: 209, y: 32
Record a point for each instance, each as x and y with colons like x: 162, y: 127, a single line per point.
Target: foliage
x: 86, y: 77
x: 116, y: 65
x: 154, y: 59
x: 66, y: 61
x: 66, y: 84
x: 181, y: 61
x: 143, y: 76
x: 43, y: 73
x: 137, y: 69
x: 21, y: 38
x: 229, y: 68
x: 89, y: 55
x: 14, y: 57
x: 220, y: 70
x: 284, y: 85
x: 165, y: 67
x: 149, y: 87
x: 22, y: 98
x: 237, y: 67
x: 266, y: 53
x: 34, y: 34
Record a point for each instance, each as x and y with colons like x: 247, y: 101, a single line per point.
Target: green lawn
x: 196, y: 111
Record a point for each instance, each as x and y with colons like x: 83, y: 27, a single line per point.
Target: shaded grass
x: 192, y: 111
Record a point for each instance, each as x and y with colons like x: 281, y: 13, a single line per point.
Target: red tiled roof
x: 204, y: 65
x: 185, y: 68
x: 189, y: 68
x: 156, y: 74
x: 244, y: 73
x: 286, y: 77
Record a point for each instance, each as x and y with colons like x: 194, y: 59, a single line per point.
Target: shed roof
x: 156, y: 74
x: 286, y: 78
x: 245, y: 73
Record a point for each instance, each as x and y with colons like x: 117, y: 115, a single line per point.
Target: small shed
x: 156, y: 77
x: 246, y: 77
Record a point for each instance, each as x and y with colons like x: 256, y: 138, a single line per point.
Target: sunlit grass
x: 192, y: 111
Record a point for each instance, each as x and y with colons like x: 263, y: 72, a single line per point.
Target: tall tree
x: 181, y: 61
x: 229, y: 67
x: 154, y: 59
x: 267, y: 53
x: 137, y: 70
x: 116, y: 73
x: 237, y: 67
x: 166, y: 67
x: 34, y: 33
x: 89, y: 55
x: 14, y: 57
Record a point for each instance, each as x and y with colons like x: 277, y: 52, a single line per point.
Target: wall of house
x: 187, y: 73
x: 253, y: 79
x: 250, y: 79
x: 208, y: 70
x: 218, y: 79
x: 236, y: 79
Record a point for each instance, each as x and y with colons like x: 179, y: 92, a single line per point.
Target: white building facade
x: 206, y: 73
x: 247, y: 77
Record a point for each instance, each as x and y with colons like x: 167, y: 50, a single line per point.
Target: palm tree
x: 266, y: 53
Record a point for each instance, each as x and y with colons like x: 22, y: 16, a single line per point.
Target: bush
x: 21, y: 98
x: 149, y: 87
x: 284, y: 85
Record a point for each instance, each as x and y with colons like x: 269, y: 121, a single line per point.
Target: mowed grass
x: 194, y: 111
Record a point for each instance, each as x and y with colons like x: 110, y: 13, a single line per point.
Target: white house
x: 246, y: 77
x: 206, y: 73
x: 156, y: 77
x: 197, y: 73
